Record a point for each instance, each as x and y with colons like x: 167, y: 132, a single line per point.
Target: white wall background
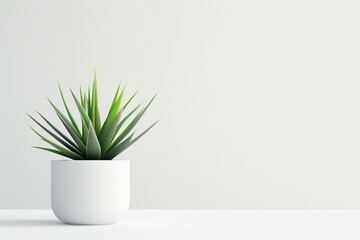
x: 259, y: 100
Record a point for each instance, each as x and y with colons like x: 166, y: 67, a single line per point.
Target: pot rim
x: 88, y: 161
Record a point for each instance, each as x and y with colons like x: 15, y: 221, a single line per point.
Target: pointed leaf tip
x: 93, y: 148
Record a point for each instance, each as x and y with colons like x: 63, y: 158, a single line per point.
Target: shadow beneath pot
x: 31, y: 223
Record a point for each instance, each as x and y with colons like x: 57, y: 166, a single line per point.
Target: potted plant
x: 91, y: 187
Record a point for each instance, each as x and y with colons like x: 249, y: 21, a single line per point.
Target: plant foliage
x: 92, y: 139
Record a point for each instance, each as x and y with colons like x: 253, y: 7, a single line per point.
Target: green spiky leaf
x: 82, y: 111
x: 64, y: 151
x: 113, y: 111
x: 126, y: 143
x: 69, y: 143
x: 94, y: 140
x: 93, y: 148
x: 131, y: 126
x: 109, y: 135
x: 126, y: 118
x: 95, y: 115
x: 67, y: 110
x: 118, y: 148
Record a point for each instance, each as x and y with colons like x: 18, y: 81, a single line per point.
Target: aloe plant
x: 93, y: 140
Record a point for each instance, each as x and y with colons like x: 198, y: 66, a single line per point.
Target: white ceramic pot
x: 90, y: 192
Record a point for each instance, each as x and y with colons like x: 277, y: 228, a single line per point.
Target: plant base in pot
x: 92, y: 188
x: 90, y: 192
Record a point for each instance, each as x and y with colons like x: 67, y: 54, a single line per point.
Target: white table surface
x: 189, y: 224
